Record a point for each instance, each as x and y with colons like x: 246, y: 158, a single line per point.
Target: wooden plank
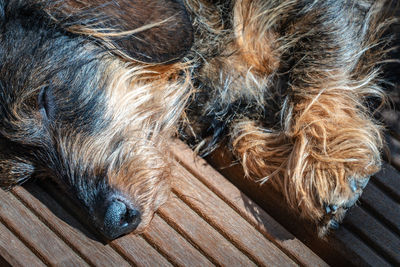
x: 139, y: 251
x: 62, y: 223
x: 335, y: 249
x: 392, y: 119
x: 391, y: 113
x: 14, y: 251
x: 227, y: 221
x: 133, y: 248
x: 355, y: 249
x: 36, y: 235
x: 219, y: 250
x: 388, y: 179
x: 383, y: 207
x: 178, y: 250
x: 375, y: 234
x: 394, y: 147
x: 241, y: 203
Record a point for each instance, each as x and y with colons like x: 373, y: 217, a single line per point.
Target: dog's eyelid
x: 46, y: 103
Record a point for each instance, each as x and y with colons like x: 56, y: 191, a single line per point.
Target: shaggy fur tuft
x: 90, y: 90
x: 287, y: 90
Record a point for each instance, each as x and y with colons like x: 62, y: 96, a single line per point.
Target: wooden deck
x: 370, y: 234
x: 207, y: 222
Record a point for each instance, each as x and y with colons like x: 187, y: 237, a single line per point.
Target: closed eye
x: 46, y: 103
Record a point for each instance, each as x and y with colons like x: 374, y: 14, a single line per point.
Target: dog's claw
x: 334, y: 213
x: 327, y: 209
x: 333, y: 224
x: 334, y: 208
x: 330, y: 208
x: 353, y: 185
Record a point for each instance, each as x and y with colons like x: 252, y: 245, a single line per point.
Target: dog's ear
x: 151, y: 31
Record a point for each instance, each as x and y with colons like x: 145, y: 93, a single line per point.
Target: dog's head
x: 87, y: 88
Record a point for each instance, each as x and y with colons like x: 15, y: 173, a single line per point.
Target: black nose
x: 119, y: 219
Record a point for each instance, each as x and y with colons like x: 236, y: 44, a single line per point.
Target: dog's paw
x: 335, y: 211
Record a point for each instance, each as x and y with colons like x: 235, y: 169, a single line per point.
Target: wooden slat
x: 394, y: 147
x: 358, y: 252
x: 389, y: 180
x: 134, y: 249
x: 375, y: 234
x: 37, y: 236
x: 226, y: 220
x: 206, y: 222
x: 335, y: 249
x: 383, y: 207
x: 244, y: 206
x: 48, y: 210
x: 392, y: 119
x: 14, y: 251
x: 219, y: 250
x: 138, y: 251
x: 172, y: 244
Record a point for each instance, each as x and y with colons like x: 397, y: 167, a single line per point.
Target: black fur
x: 53, y: 82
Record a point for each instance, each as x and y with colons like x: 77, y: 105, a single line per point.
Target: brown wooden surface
x: 244, y: 206
x: 370, y: 234
x: 206, y: 222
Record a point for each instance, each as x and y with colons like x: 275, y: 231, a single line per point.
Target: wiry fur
x: 286, y: 88
x: 87, y: 97
x: 73, y: 109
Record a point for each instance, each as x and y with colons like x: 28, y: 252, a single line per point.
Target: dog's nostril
x: 115, y: 213
x: 120, y: 219
x: 131, y: 215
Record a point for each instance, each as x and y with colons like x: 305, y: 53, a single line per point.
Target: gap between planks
x: 87, y: 243
x: 234, y: 198
x: 336, y: 244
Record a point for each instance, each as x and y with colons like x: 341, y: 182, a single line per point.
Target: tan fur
x: 282, y: 83
x: 326, y: 136
x: 261, y: 53
x: 146, y: 102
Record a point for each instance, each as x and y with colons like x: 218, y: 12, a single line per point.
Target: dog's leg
x: 263, y: 153
x: 322, y: 162
x: 328, y: 145
x: 336, y: 148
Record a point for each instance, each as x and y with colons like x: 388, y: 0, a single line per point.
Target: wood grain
x: 35, y: 234
x: 375, y: 234
x: 223, y: 218
x: 247, y: 208
x: 218, y: 249
x: 47, y: 209
x: 394, y: 149
x: 356, y: 250
x: 14, y: 251
x: 335, y: 250
x: 383, y: 207
x: 134, y: 249
x: 171, y: 243
x: 388, y: 179
x: 207, y: 222
x: 139, y: 251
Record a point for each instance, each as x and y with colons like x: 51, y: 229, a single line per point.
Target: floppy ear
x: 151, y: 31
